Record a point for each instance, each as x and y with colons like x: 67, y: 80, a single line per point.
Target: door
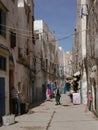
x: 11, y: 84
x: 2, y: 97
x: 32, y: 91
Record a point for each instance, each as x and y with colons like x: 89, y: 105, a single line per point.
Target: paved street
x: 49, y: 116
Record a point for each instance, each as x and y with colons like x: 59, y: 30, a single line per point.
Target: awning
x: 77, y: 73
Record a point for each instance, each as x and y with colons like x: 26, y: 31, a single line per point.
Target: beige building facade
x: 15, y: 50
x: 87, y: 22
x: 46, y: 56
x: 5, y: 53
x: 92, y: 51
x: 79, y: 47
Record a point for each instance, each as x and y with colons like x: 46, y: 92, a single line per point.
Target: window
x: 34, y: 65
x: 2, y: 23
x: 13, y: 39
x: 46, y: 63
x: 2, y: 63
x: 13, y: 1
x: 37, y: 36
x: 42, y: 63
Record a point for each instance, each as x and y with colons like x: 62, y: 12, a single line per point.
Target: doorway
x: 2, y: 97
x: 11, y: 83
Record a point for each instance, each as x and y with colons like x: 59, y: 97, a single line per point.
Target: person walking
x: 15, y: 101
x: 90, y: 100
x: 48, y: 94
x: 57, y: 98
x: 71, y: 92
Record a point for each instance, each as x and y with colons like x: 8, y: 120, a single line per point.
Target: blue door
x: 2, y: 97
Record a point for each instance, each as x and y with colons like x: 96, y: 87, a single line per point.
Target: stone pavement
x: 48, y: 116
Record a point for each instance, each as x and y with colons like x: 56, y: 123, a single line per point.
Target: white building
x: 83, y: 8
x: 79, y: 48
x: 68, y: 64
x: 61, y: 64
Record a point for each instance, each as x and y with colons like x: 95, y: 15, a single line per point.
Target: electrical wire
x: 9, y: 27
x: 39, y: 62
x: 44, y: 59
x: 33, y: 37
x: 68, y: 36
x: 19, y: 35
x: 19, y: 29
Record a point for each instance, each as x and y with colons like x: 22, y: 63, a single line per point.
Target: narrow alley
x: 48, y: 50
x: 48, y: 116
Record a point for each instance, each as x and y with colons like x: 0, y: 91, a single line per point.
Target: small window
x: 37, y: 36
x: 13, y: 39
x: 2, y: 23
x: 46, y: 63
x: 2, y: 63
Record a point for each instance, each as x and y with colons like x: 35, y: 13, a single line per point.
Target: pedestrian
x: 90, y: 100
x: 47, y: 94
x: 71, y: 95
x: 57, y: 97
x: 15, y: 101
x: 75, y: 86
x: 71, y: 92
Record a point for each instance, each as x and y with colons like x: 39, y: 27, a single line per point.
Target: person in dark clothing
x: 44, y: 91
x: 58, y: 95
x: 75, y: 86
x: 15, y: 101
